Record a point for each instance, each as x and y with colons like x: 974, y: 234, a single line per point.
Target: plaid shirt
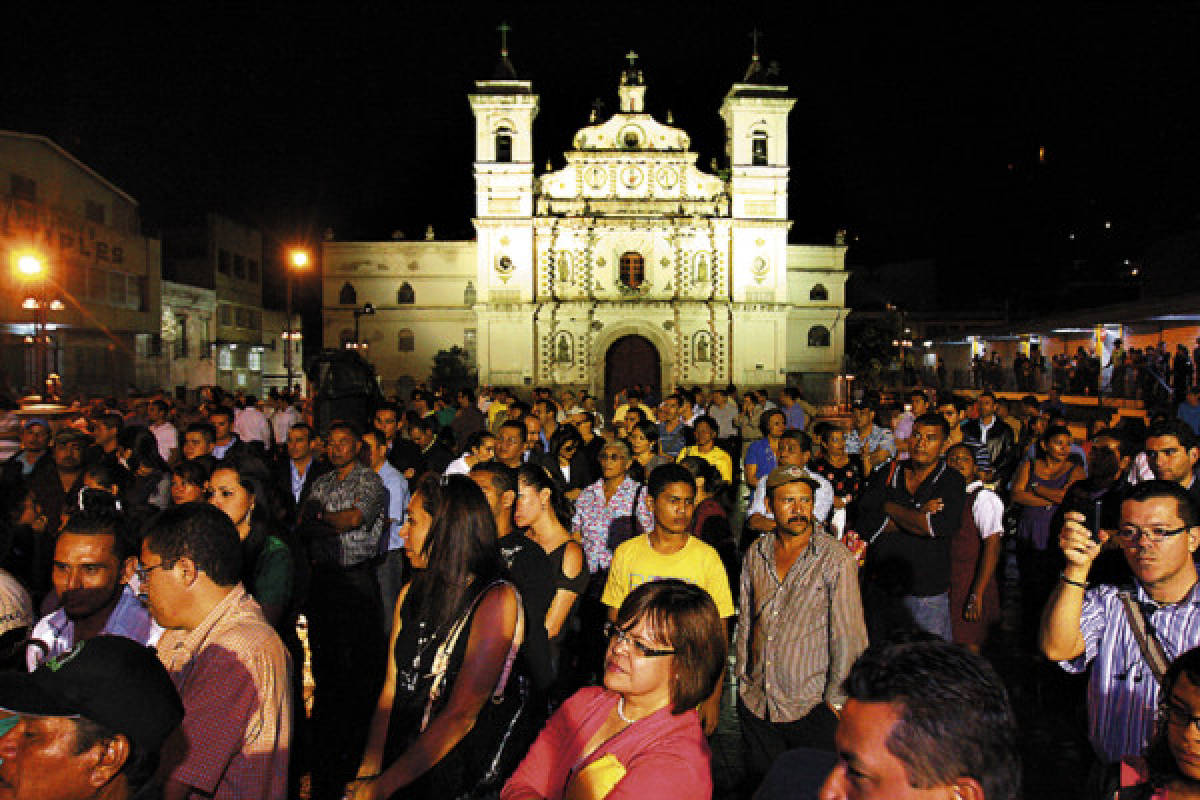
x: 877, y: 438
x: 362, y: 489
x: 233, y: 675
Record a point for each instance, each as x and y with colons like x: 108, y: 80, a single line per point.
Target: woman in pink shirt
x: 639, y: 735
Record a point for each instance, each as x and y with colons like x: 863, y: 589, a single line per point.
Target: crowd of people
x: 1156, y: 375
x: 522, y: 598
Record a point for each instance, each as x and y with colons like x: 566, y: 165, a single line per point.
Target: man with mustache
x: 94, y: 558
x: 802, y: 628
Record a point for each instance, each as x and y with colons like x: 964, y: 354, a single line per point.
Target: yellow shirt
x: 637, y: 562
x: 717, y: 457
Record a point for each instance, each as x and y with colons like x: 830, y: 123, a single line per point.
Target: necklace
x: 621, y: 711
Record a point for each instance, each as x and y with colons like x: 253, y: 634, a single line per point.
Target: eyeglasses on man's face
x: 618, y: 636
x: 1132, y: 534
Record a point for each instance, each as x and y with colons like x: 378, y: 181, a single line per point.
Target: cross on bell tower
x: 633, y: 88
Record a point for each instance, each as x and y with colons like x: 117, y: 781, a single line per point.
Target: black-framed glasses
x: 1131, y: 534
x: 617, y: 636
x: 1175, y: 715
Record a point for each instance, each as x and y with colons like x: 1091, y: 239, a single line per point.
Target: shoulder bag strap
x: 1152, y: 650
x: 633, y: 513
x: 441, y: 659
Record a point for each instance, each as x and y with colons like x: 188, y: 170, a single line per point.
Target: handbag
x: 622, y: 529
x: 497, y: 759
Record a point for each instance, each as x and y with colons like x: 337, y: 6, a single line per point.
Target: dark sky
x: 917, y: 129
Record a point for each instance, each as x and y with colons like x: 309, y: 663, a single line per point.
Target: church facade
x: 628, y: 265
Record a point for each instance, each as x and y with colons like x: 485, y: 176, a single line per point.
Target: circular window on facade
x: 759, y: 267
x: 504, y: 265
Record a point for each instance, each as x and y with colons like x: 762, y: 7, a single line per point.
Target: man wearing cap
x: 795, y: 449
x: 802, y: 627
x: 93, y: 562
x: 55, y: 489
x: 35, y: 441
x: 228, y: 663
x: 90, y: 723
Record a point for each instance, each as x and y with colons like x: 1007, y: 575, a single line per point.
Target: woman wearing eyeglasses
x: 1170, y: 767
x: 639, y: 734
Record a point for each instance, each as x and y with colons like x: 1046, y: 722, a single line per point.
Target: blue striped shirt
x: 1122, y: 691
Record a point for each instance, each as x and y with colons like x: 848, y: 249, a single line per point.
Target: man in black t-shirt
x: 908, y: 514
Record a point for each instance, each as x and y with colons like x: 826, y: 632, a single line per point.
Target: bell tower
x: 756, y: 140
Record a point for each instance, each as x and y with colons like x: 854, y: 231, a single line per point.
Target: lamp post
x: 31, y: 267
x: 368, y: 310
x: 299, y: 260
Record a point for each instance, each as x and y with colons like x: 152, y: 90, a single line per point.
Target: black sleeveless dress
x: 506, y: 724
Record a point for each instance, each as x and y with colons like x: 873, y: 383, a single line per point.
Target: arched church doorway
x: 630, y: 360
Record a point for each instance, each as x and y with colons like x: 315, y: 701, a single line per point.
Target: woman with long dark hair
x: 449, y: 697
x: 239, y: 488
x: 545, y: 514
x: 570, y: 474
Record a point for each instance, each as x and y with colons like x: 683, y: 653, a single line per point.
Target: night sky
x: 918, y: 130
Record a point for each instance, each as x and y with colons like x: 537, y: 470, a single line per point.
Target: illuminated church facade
x: 628, y: 265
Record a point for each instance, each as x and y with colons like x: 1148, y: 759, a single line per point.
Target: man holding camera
x: 1131, y: 633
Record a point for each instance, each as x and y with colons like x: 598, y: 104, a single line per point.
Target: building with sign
x: 79, y: 292
x: 628, y: 265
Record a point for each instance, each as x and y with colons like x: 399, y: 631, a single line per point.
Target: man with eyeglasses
x: 230, y: 667
x: 1158, y: 533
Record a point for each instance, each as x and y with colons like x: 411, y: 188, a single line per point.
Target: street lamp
x: 368, y: 310
x: 31, y: 267
x: 298, y: 260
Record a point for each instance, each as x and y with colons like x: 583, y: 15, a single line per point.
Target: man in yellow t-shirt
x: 669, y: 551
x: 705, y: 430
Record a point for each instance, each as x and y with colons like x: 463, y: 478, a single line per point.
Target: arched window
x: 406, y: 342
x: 347, y: 296
x: 818, y: 336
x: 758, y: 149
x: 564, y: 267
x: 702, y: 348
x: 632, y: 269
x: 701, y: 268
x: 469, y: 294
x: 345, y: 337
x: 405, y: 295
x: 819, y: 294
x: 504, y: 145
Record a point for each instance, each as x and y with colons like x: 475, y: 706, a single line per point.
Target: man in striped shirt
x: 1159, y: 531
x: 802, y: 628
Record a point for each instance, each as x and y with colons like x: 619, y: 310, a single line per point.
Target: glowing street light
x: 299, y: 260
x: 30, y: 265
